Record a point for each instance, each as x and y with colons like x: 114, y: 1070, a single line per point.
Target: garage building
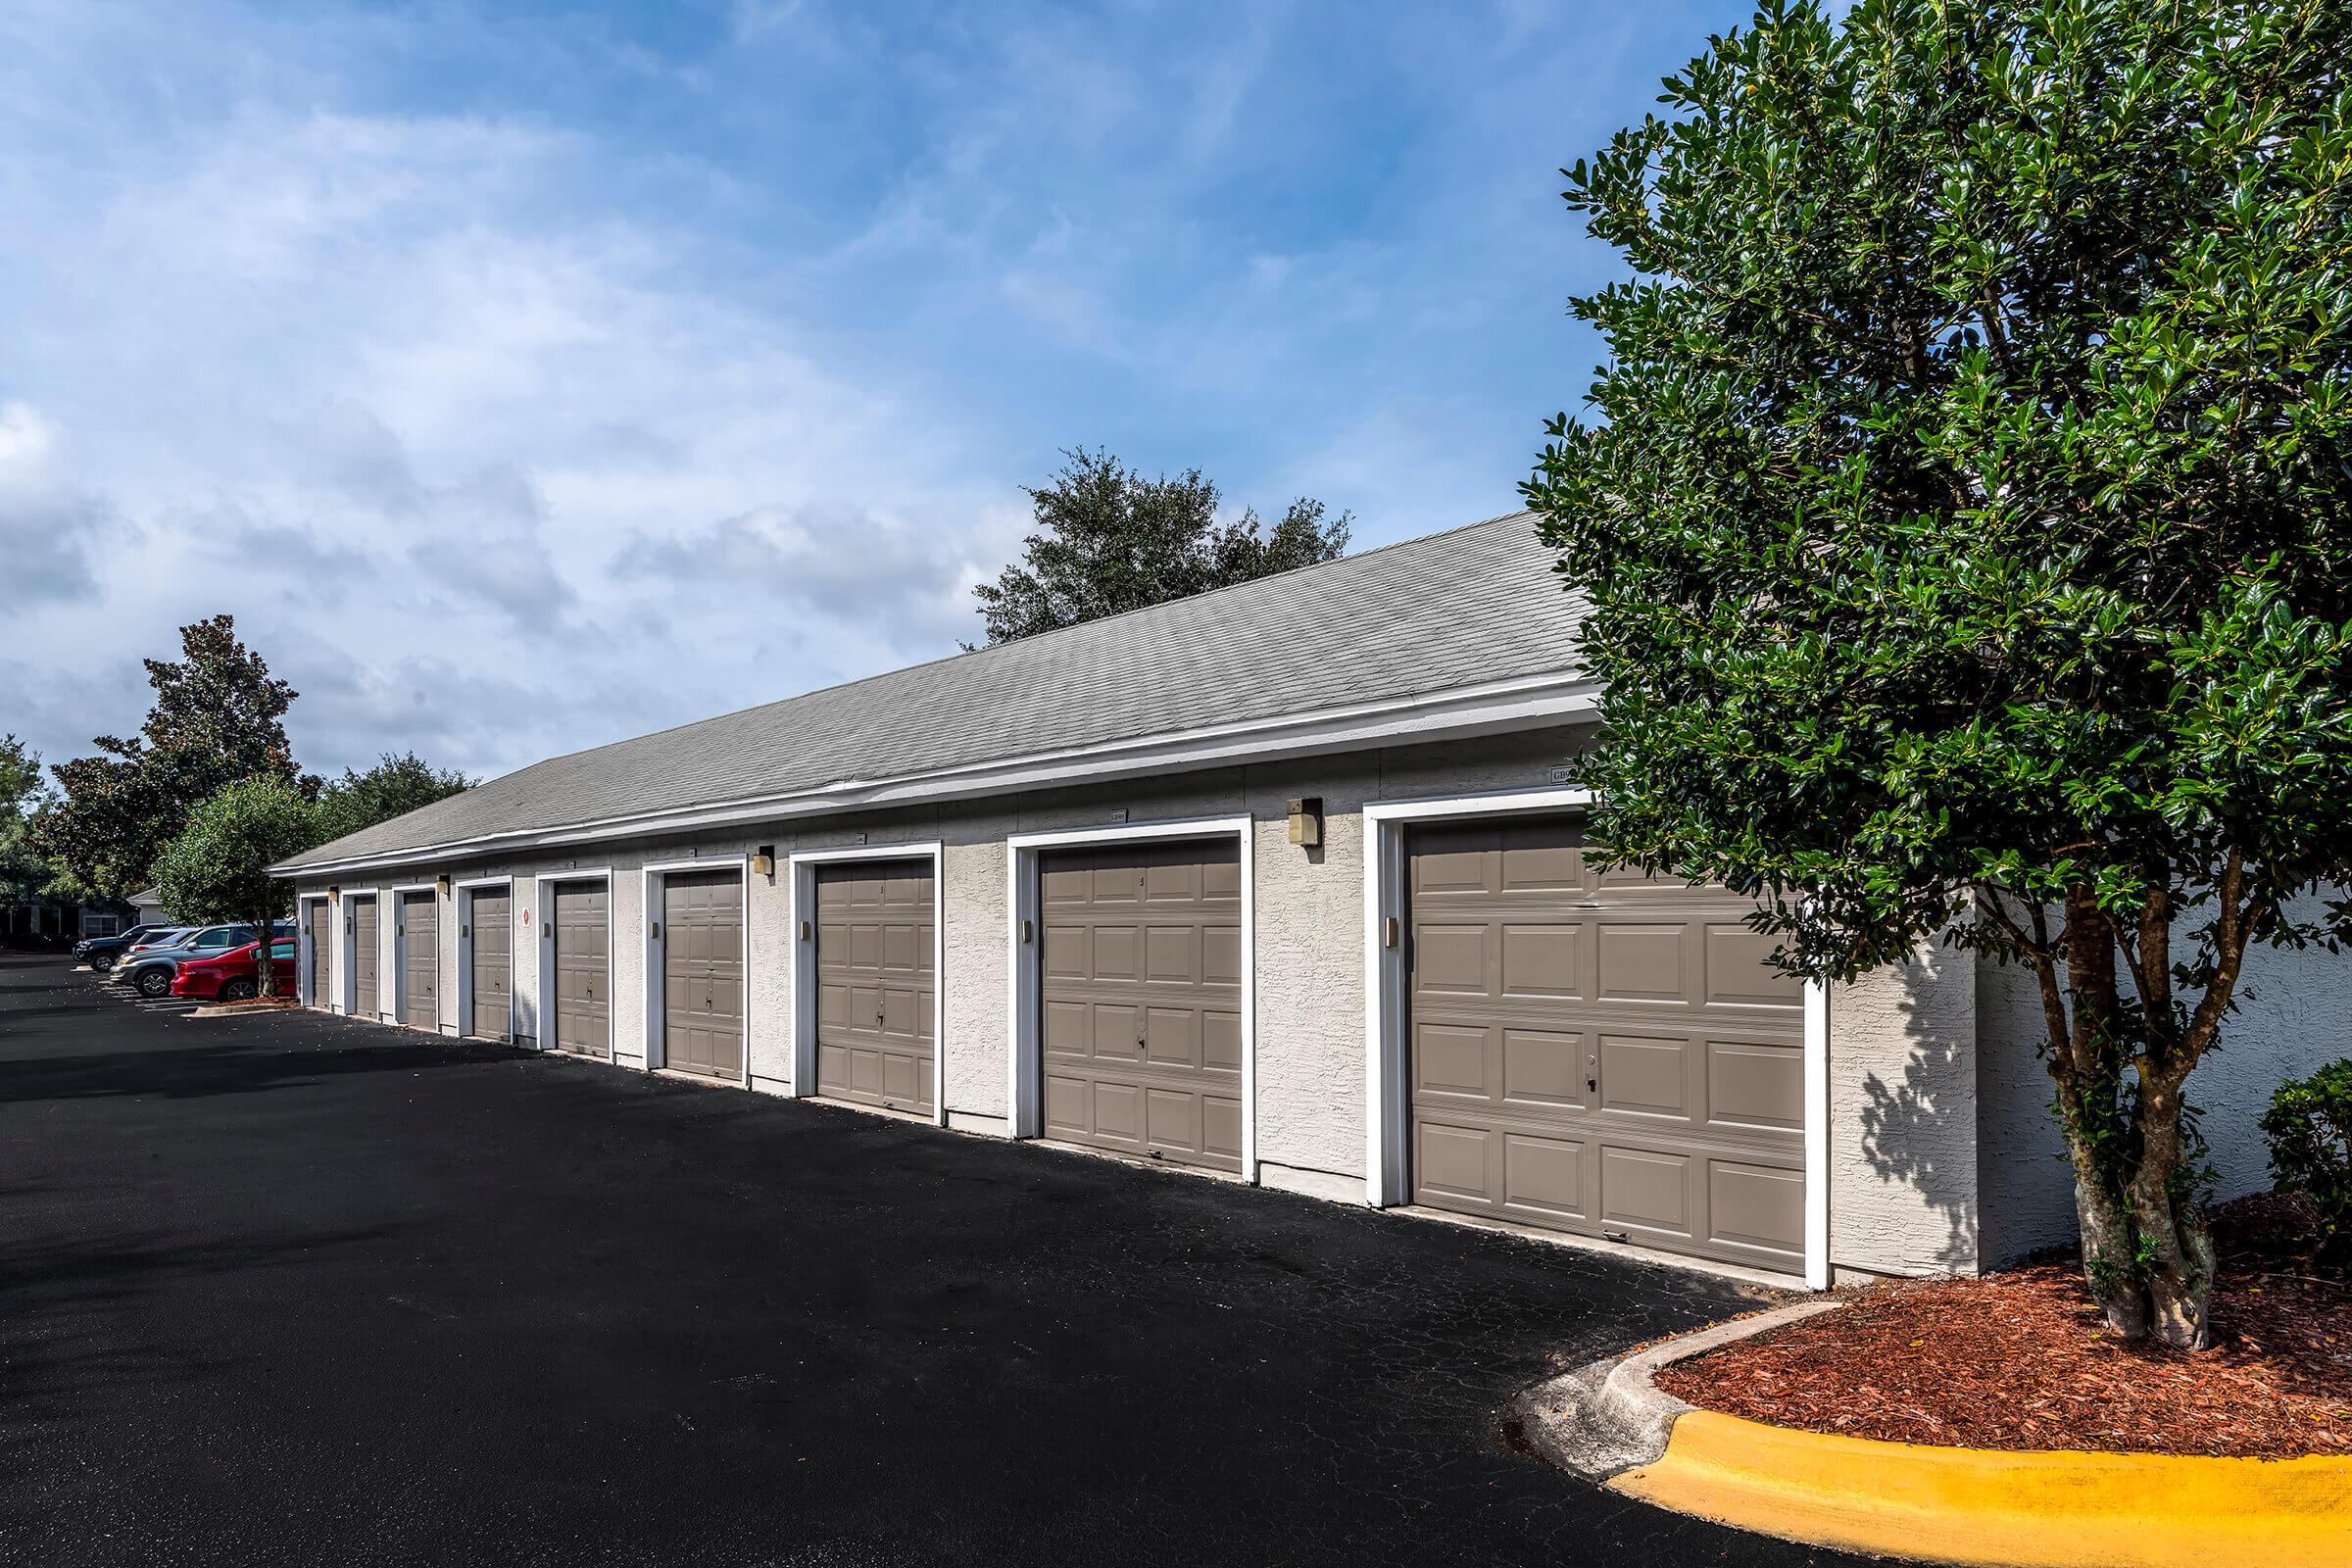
x: 1283, y: 883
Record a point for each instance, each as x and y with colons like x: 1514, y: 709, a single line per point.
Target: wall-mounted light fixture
x: 441, y: 886
x: 1306, y: 820
x: 763, y: 861
x: 334, y: 895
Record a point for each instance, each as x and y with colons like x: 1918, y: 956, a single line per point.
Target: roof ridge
x: 1029, y: 641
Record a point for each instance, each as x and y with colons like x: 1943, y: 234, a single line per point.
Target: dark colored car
x: 100, y: 953
x: 150, y: 972
x: 233, y: 976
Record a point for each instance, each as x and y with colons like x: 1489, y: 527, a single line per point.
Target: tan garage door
x: 701, y: 972
x: 323, y: 947
x: 420, y: 933
x: 874, y: 983
x: 490, y: 934
x: 1601, y: 1054
x: 583, y: 999
x: 362, y: 958
x: 1141, y: 1015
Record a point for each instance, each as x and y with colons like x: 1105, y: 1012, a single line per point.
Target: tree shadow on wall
x: 1922, y: 1133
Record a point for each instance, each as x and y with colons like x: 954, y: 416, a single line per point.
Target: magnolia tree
x: 1966, y: 525
x: 219, y: 867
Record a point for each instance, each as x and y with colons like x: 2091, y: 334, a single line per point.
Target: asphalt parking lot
x: 302, y: 1290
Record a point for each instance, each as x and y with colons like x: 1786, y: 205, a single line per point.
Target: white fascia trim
x: 802, y: 910
x: 544, y: 1021
x: 1387, y: 1113
x: 1499, y: 706
x: 1024, y: 1063
x: 656, y: 977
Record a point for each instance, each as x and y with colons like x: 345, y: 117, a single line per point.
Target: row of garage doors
x: 1599, y: 1054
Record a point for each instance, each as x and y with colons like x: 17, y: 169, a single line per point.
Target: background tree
x: 219, y: 866
x: 1111, y: 540
x: 1966, y: 523
x: 393, y: 787
x: 24, y: 874
x: 219, y: 716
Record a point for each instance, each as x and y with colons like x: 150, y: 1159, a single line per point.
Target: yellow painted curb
x: 2027, y: 1510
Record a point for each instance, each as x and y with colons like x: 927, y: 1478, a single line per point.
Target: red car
x: 232, y: 976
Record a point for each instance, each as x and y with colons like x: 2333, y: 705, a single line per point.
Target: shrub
x: 2309, y: 1126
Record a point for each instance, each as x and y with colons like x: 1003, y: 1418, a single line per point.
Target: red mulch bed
x: 2021, y: 1360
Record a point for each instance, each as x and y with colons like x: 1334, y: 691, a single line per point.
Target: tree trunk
x: 264, y: 969
x: 2146, y: 1255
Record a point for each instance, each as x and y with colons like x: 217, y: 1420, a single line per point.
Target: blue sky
x: 526, y: 376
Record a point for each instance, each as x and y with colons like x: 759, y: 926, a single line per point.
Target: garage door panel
x: 584, y: 997
x: 1755, y: 1205
x: 322, y: 948
x: 419, y: 933
x: 701, y: 972
x: 1600, y: 1052
x: 1451, y: 957
x: 1543, y: 1069
x: 363, y: 958
x: 1645, y: 1077
x: 1649, y: 1188
x: 490, y: 937
x: 1754, y: 1085
x: 1451, y: 1160
x: 1221, y: 1042
x: 1740, y: 973
x: 1222, y: 955
x: 1543, y: 1176
x: 1641, y: 962
x: 873, y: 948
x: 1451, y: 1059
x: 1156, y: 995
x: 1543, y: 961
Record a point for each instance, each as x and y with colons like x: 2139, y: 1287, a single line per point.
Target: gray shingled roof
x: 1471, y: 605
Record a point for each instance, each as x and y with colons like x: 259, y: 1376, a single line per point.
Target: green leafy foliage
x: 393, y: 787
x: 24, y: 873
x: 219, y: 866
x: 1966, y: 520
x: 218, y: 718
x: 1111, y: 540
x: 2309, y: 1126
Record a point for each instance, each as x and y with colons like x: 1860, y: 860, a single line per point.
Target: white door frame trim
x: 1025, y: 1065
x: 1387, y: 1104
x: 544, y: 1023
x: 802, y: 906
x: 347, y: 938
x: 303, y: 946
x: 654, y: 878
x: 400, y: 951
x: 462, y: 895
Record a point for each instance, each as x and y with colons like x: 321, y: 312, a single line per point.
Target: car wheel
x: 237, y: 990
x: 102, y: 961
x: 154, y: 984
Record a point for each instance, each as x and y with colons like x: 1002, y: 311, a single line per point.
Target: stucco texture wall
x: 2294, y: 1014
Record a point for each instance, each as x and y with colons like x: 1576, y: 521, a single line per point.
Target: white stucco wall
x: 2294, y: 1014
x: 1903, y: 1166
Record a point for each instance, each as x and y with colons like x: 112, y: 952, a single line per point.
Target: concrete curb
x: 1602, y: 1419
x: 2061, y: 1509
